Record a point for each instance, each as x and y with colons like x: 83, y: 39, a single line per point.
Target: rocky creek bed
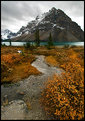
x: 27, y: 90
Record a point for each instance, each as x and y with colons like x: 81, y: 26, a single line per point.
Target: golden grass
x: 16, y: 66
x: 62, y: 56
x: 19, y: 72
x: 12, y: 62
x: 63, y: 97
x: 10, y: 49
x: 51, y: 61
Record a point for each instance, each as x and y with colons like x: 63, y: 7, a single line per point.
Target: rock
x: 19, y: 51
x: 21, y: 93
x: 15, y: 110
x: 10, y: 70
x: 5, y: 100
x: 5, y: 97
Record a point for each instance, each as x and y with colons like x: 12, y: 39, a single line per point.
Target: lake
x: 44, y: 43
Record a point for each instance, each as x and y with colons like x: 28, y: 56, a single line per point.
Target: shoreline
x: 42, y: 43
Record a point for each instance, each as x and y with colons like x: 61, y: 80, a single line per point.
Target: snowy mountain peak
x: 7, y: 34
x: 6, y: 31
x: 54, y: 21
x: 53, y: 9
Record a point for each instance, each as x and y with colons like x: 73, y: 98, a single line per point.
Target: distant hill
x: 55, y: 21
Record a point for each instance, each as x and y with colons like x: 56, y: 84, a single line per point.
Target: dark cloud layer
x: 15, y: 14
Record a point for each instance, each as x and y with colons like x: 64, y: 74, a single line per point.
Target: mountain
x: 7, y: 34
x: 55, y: 21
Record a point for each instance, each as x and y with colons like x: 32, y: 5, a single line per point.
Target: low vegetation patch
x: 64, y: 56
x: 63, y: 96
x: 51, y: 61
x: 16, y: 66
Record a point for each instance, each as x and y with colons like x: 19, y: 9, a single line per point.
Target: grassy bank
x: 16, y: 66
x: 63, y: 96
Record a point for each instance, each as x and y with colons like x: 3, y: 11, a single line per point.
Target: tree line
x: 37, y: 39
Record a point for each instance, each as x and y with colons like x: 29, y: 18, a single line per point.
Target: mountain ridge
x: 55, y: 21
x: 7, y: 34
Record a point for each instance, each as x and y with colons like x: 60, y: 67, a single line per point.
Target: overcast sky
x: 15, y: 14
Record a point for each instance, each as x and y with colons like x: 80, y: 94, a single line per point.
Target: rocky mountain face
x: 7, y: 34
x: 55, y: 21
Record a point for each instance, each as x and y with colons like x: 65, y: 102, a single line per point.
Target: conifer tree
x: 37, y: 39
x: 50, y: 41
x: 10, y: 42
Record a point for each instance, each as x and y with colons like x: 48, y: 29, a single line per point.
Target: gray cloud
x: 15, y: 14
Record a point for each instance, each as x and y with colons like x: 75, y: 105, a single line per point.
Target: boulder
x: 15, y: 110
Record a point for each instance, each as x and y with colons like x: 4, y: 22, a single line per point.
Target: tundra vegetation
x: 63, y: 95
x: 16, y: 66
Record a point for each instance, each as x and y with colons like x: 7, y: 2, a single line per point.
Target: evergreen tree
x: 37, y: 39
x: 10, y: 42
x: 50, y: 41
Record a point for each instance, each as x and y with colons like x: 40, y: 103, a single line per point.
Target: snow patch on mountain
x: 7, y: 34
x: 18, y: 35
x: 40, y: 18
x: 54, y: 25
x: 60, y: 27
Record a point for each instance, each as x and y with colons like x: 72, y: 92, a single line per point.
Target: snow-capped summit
x: 56, y: 22
x: 7, y: 34
x: 6, y: 31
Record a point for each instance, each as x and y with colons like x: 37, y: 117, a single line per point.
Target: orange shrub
x: 19, y: 72
x: 51, y: 60
x: 11, y: 58
x: 17, y: 65
x: 63, y: 96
